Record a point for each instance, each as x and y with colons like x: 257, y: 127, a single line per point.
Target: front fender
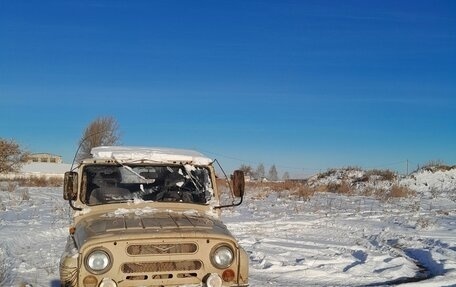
x: 69, y: 264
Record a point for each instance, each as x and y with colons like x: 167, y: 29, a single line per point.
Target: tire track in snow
x: 315, y: 256
x: 337, y: 250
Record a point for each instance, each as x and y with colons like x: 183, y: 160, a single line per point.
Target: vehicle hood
x: 125, y: 225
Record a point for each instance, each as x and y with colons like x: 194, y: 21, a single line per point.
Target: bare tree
x: 247, y: 169
x: 260, y: 173
x: 12, y: 157
x: 272, y: 175
x: 102, y: 131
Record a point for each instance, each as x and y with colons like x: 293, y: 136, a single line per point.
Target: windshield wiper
x: 198, y: 185
x: 133, y: 171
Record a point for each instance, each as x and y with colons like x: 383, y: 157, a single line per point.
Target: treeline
x: 259, y: 173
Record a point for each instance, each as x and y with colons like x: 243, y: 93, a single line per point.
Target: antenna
x: 80, y: 145
x: 74, y: 159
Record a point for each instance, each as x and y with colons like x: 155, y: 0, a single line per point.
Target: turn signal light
x: 90, y: 281
x: 228, y: 275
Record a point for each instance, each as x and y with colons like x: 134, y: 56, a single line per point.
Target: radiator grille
x: 151, y: 249
x: 142, y: 267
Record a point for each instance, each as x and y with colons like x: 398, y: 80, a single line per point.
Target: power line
x: 405, y: 164
x: 257, y: 163
x: 388, y: 164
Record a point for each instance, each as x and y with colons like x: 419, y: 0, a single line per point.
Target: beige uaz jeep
x: 150, y: 217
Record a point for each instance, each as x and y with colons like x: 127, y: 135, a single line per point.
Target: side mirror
x: 70, y: 185
x: 238, y: 183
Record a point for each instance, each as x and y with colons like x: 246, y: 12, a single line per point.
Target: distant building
x: 40, y: 165
x: 45, y: 157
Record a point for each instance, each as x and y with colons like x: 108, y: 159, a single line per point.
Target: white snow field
x: 327, y: 240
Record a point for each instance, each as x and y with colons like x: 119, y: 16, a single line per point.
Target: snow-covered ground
x: 33, y: 230
x: 326, y: 240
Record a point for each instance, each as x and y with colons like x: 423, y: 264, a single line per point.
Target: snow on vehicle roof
x: 158, y: 154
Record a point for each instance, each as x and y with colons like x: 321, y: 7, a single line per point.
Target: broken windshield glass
x: 162, y: 183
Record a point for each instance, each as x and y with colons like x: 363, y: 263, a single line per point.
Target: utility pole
x: 407, y: 167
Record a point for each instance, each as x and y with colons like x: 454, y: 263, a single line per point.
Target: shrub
x: 25, y: 195
x: 434, y: 166
x: 38, y: 181
x: 327, y: 173
x: 353, y: 168
x: 41, y: 181
x: 55, y: 181
x: 332, y: 187
x: 304, y: 192
x: 384, y: 174
x: 299, y: 189
x: 12, y: 185
x: 345, y: 188
x: 400, y: 191
x: 342, y: 188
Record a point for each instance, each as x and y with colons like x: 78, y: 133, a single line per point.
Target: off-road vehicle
x: 150, y: 217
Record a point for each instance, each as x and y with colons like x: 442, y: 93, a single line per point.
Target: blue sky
x: 304, y: 85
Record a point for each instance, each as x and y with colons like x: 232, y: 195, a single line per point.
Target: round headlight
x: 222, y: 257
x: 98, y: 261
